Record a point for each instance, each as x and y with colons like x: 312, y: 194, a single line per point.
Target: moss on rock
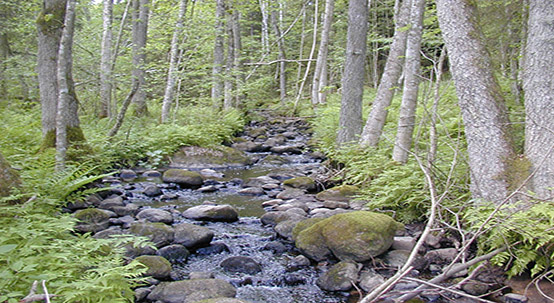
x: 306, y: 183
x: 341, y: 193
x: 158, y: 266
x: 183, y: 177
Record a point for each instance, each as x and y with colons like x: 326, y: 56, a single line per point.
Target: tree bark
x: 406, y: 119
x: 9, y: 179
x: 140, y: 30
x: 389, y: 80
x: 350, y: 121
x: 265, y: 26
x: 173, y: 58
x: 487, y: 128
x: 539, y: 96
x: 238, y: 63
x: 282, y: 58
x: 64, y: 64
x: 312, y: 51
x: 106, y: 61
x: 320, y: 72
x: 49, y: 30
x: 229, y: 61
x: 217, y: 69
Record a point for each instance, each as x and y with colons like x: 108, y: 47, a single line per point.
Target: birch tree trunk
x: 487, y: 128
x: 282, y: 58
x: 238, y: 63
x: 217, y: 68
x: 64, y: 64
x: 320, y: 72
x: 350, y: 121
x: 106, y: 61
x: 406, y: 119
x: 140, y: 31
x: 229, y: 63
x: 389, y: 80
x: 173, y: 58
x: 312, y: 51
x: 538, y: 86
x: 265, y: 26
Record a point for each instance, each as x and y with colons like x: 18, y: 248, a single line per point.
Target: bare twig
x: 46, y: 295
x: 459, y: 293
x: 33, y: 297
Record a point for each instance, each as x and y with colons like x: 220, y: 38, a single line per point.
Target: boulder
x: 213, y: 248
x: 355, y: 236
x: 191, y: 235
x: 129, y: 209
x: 369, y: 280
x: 91, y: 220
x: 155, y: 215
x: 275, y: 217
x: 175, y: 253
x: 184, y: 178
x: 152, y: 191
x: 241, y: 264
x: 306, y: 183
x: 127, y: 174
x: 252, y: 191
x: 159, y: 233
x: 111, y: 202
x: 290, y: 193
x: 274, y: 160
x: 151, y: 174
x: 341, y: 193
x: 284, y: 228
x: 191, y: 291
x: 225, y: 213
x: 286, y: 149
x: 158, y: 266
x: 340, y: 277
x: 194, y: 157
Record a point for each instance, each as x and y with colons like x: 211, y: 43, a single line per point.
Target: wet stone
x: 241, y: 264
x: 152, y: 191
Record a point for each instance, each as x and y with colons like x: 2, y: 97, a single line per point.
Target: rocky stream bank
x: 259, y: 221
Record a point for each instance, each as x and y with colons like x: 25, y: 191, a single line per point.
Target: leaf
x: 7, y: 248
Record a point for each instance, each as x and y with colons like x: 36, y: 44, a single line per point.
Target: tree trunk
x: 5, y: 52
x: 389, y: 80
x: 350, y: 121
x: 229, y: 63
x: 173, y: 58
x: 64, y: 64
x: 539, y: 97
x: 106, y: 61
x: 406, y: 119
x: 217, y: 69
x: 140, y: 30
x: 265, y: 26
x: 238, y: 63
x: 487, y: 128
x: 312, y: 51
x: 49, y: 29
x: 282, y: 57
x: 9, y: 179
x: 320, y: 72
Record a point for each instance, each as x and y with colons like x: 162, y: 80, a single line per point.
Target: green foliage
x: 526, y: 231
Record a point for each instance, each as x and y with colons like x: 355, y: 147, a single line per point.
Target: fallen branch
x: 33, y: 297
x: 456, y: 292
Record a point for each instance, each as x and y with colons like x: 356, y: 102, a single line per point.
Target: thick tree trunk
x: 487, y: 128
x: 106, y: 61
x: 140, y: 30
x: 320, y: 72
x: 538, y: 86
x: 282, y: 57
x: 64, y: 64
x: 49, y: 28
x: 173, y: 58
x: 389, y: 80
x: 350, y: 121
x: 217, y: 69
x: 406, y: 119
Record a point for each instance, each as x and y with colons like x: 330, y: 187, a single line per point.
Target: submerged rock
x: 241, y: 264
x: 225, y: 213
x: 191, y: 290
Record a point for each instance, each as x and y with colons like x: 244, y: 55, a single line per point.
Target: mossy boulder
x: 183, y: 177
x: 91, y: 220
x: 306, y: 183
x: 158, y: 266
x: 339, y: 277
x: 355, y: 236
x: 194, y: 157
x: 341, y: 193
x: 191, y: 291
x: 159, y: 233
x: 304, y: 224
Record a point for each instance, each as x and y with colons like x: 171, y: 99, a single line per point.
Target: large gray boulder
x: 191, y: 291
x: 355, y: 236
x: 155, y: 215
x: 225, y: 213
x: 191, y: 235
x: 159, y: 233
x: 184, y: 178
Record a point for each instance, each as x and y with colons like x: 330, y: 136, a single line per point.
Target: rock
x: 241, y: 264
x: 151, y: 174
x: 76, y: 205
x: 274, y: 160
x: 222, y: 300
x: 225, y: 213
x: 111, y: 202
x: 276, y: 247
x: 306, y: 183
x: 275, y: 217
x: 194, y: 157
x: 403, y: 243
x: 158, y: 266
x: 297, y: 210
x: 141, y: 293
x: 354, y: 236
x: 201, y: 275
x: 213, y: 248
x: 340, y: 277
x: 109, y: 232
x: 292, y: 279
x: 91, y: 220
x: 298, y: 262
x: 284, y: 228
x: 475, y: 288
x: 290, y: 193
x: 124, y: 221
x: 159, y: 233
x: 152, y: 191
x: 191, y: 235
x: 441, y: 256
x: 155, y: 215
x: 341, y: 193
x: 191, y: 290
x: 369, y: 280
x: 273, y: 202
x: 128, y: 210
x: 211, y: 173
x: 174, y: 253
x: 208, y: 189
x: 335, y: 204
x: 250, y: 146
x: 286, y: 149
x: 259, y: 181
x: 252, y: 191
x: 514, y: 298
x: 397, y: 258
x: 127, y: 174
x: 184, y: 178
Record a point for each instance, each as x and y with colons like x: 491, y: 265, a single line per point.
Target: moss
x: 92, y: 215
x: 301, y: 182
x: 303, y: 225
x: 158, y: 266
x: 516, y: 171
x: 75, y: 137
x: 342, y: 193
x: 51, y: 20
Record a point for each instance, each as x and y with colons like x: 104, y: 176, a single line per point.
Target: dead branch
x: 33, y: 297
x: 456, y: 292
x: 279, y: 61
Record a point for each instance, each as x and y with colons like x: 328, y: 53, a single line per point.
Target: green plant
x: 527, y: 232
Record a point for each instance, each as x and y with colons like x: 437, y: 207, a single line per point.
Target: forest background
x: 466, y: 151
